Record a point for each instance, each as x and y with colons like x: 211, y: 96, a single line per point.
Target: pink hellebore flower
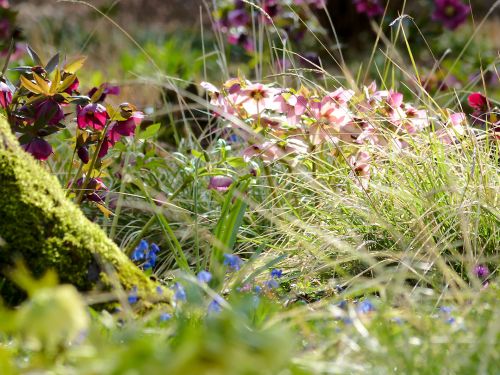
x: 452, y: 13
x: 220, y: 183
x: 416, y: 119
x: 5, y: 95
x: 360, y: 164
x: 92, y: 115
x: 256, y: 97
x: 39, y: 148
x: 454, y: 127
x: 371, y: 8
x: 292, y: 106
x: 268, y: 152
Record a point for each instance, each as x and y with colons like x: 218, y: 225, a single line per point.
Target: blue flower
x: 132, y: 297
x: 216, y: 305
x: 271, y: 284
x: 150, y: 261
x: 154, y: 249
x: 165, y: 316
x: 446, y: 309
x: 139, y: 252
x: 233, y: 262
x: 257, y: 289
x: 365, y: 307
x: 276, y: 274
x: 204, y: 277
x: 179, y: 293
x: 159, y: 290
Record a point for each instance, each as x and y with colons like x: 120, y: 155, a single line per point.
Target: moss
x: 47, y: 231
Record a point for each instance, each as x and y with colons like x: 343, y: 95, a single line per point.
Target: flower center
x: 449, y: 10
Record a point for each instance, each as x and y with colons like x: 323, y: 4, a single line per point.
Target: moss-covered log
x: 47, y: 231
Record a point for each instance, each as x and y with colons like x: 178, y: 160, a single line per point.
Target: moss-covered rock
x: 47, y: 231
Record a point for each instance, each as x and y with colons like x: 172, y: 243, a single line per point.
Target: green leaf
x: 34, y: 56
x: 149, y: 132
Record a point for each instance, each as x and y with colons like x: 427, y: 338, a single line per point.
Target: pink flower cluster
x: 286, y: 124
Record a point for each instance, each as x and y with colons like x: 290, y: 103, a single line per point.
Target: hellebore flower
x: 220, y: 183
x: 233, y: 262
x: 452, y: 13
x: 140, y: 251
x: 126, y: 127
x: 83, y: 154
x: 204, y: 277
x: 92, y: 115
x: 5, y: 95
x: 371, y: 8
x: 256, y: 97
x: 49, y: 111
x: 39, y: 148
x: 478, y: 101
x: 238, y: 17
x: 73, y: 87
x: 108, y: 90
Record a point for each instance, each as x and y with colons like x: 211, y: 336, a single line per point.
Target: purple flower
x: 238, y: 17
x: 5, y: 95
x: 39, y: 148
x: 481, y: 271
x: 108, y: 90
x: 92, y: 115
x: 220, y: 183
x: 83, y: 154
x: 233, y: 262
x: 204, y: 277
x: 371, y: 8
x: 452, y: 13
x: 49, y: 111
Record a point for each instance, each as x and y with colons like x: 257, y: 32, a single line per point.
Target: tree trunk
x: 47, y: 231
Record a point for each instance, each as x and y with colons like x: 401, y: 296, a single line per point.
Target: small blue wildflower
x: 446, y: 309
x: 179, y: 293
x: 139, y: 252
x: 150, y: 261
x: 215, y: 306
x: 132, y: 297
x: 365, y: 307
x: 347, y: 320
x: 155, y: 249
x: 204, y: 277
x: 342, y: 304
x: 271, y: 284
x: 159, y: 290
x: 450, y: 320
x: 257, y: 289
x: 276, y: 274
x: 233, y: 262
x: 165, y: 316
